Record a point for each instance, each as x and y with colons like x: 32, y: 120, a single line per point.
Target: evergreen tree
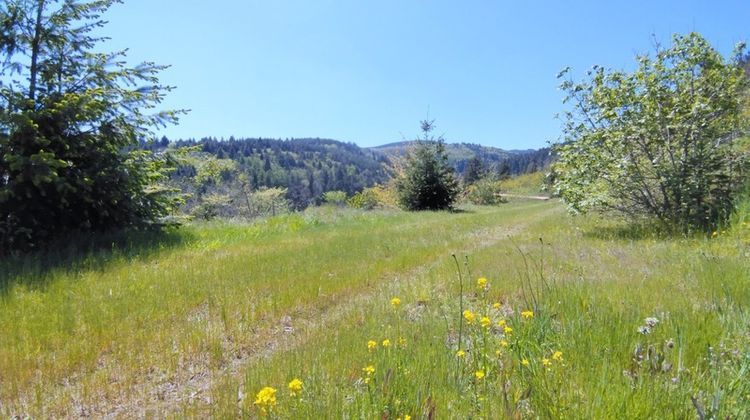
x: 474, y: 171
x: 428, y: 181
x: 71, y: 121
x: 503, y: 170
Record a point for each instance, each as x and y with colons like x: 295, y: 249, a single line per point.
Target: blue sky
x: 368, y: 71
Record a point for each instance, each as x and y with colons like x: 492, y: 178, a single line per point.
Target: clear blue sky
x: 368, y: 71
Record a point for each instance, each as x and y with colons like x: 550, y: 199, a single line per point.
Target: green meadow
x: 374, y: 317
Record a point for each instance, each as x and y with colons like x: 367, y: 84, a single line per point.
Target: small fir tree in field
x: 427, y: 181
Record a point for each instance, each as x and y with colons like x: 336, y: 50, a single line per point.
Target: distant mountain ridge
x: 459, y: 154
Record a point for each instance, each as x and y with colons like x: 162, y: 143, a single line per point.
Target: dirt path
x: 530, y: 197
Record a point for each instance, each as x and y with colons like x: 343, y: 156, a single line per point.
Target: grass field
x: 199, y: 321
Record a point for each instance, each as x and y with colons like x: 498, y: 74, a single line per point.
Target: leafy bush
x: 269, y: 202
x: 211, y: 206
x: 484, y: 192
x: 337, y: 198
x: 657, y: 142
x: 376, y: 196
x: 364, y: 199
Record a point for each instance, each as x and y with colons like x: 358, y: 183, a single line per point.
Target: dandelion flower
x: 501, y: 323
x: 372, y: 345
x: 479, y: 374
x: 557, y: 356
x: 481, y: 283
x: 503, y: 343
x: 507, y: 329
x: 266, y: 399
x: 395, y: 302
x: 496, y: 305
x: 525, y: 362
x: 527, y: 314
x: 546, y: 362
x: 460, y: 354
x: 295, y: 387
x: 486, y: 322
x: 386, y: 343
x: 469, y: 316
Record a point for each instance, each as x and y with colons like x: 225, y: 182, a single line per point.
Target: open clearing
x: 196, y: 323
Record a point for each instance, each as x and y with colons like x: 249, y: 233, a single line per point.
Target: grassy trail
x: 150, y: 334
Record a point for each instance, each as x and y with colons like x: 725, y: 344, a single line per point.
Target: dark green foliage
x: 428, y: 181
x: 475, y: 170
x: 502, y: 171
x: 70, y: 121
x: 660, y: 142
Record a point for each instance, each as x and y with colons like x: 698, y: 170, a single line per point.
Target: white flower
x: 651, y: 321
x: 644, y: 330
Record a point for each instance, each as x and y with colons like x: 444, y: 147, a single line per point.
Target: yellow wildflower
x: 557, y: 356
x: 395, y: 302
x: 295, y: 387
x: 469, y: 316
x: 503, y: 343
x: 481, y: 283
x: 486, y: 322
x: 501, y: 323
x: 386, y: 343
x: 369, y: 371
x: 496, y: 305
x: 546, y: 362
x: 460, y: 353
x: 507, y: 329
x: 527, y: 314
x: 266, y: 399
x: 715, y: 234
x: 479, y: 374
x: 371, y: 345
x: 402, y: 341
x: 525, y: 362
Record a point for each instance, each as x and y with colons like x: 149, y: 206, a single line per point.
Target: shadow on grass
x: 631, y: 232
x: 90, y: 251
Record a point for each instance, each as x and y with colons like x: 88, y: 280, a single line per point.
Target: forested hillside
x: 305, y: 167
